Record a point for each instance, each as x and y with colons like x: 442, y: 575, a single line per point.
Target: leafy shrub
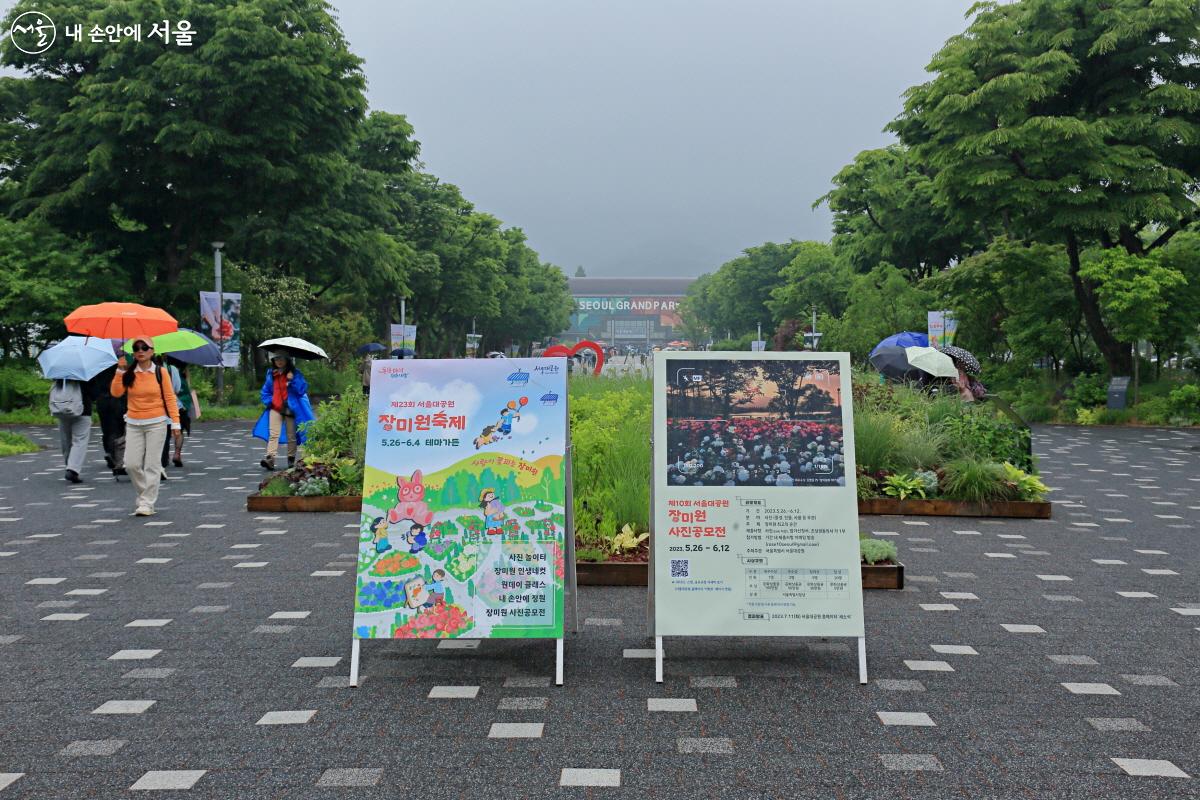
x: 1087, y: 391
x: 886, y: 442
x: 872, y: 551
x: 975, y: 481
x: 21, y: 387
x: 903, y: 486
x: 337, y: 440
x: 1089, y: 416
x: 1153, y: 411
x: 867, y: 486
x: 591, y: 554
x: 610, y: 418
x: 930, y: 480
x: 981, y: 434
x: 313, y: 487
x: 1184, y: 402
x: 1025, y: 486
x: 277, y: 486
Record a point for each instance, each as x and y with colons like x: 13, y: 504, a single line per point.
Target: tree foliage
x: 1067, y: 121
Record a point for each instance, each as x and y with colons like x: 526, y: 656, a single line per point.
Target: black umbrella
x: 893, y: 362
x: 403, y: 352
x: 963, y: 358
x: 372, y: 347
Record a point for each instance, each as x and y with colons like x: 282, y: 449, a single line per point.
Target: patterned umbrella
x: 964, y: 358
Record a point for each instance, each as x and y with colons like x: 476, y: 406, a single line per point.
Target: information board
x: 462, y: 530
x: 755, y: 504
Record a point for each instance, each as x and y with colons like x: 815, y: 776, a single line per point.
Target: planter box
x: 612, y: 573
x: 256, y: 502
x: 1020, y: 509
x: 883, y: 576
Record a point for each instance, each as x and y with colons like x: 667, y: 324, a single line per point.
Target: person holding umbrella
x: 150, y: 402
x: 73, y: 364
x: 285, y: 395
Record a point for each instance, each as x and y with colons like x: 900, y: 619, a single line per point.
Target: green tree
x: 1134, y: 293
x: 886, y: 208
x: 814, y: 276
x: 1067, y: 121
x: 1014, y: 301
x: 734, y: 298
x: 153, y: 150
x: 1178, y: 322
x: 43, y: 275
x: 882, y: 302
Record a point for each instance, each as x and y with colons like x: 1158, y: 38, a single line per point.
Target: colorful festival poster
x: 464, y: 496
x: 755, y: 502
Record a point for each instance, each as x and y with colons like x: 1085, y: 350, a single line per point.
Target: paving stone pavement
x: 148, y: 655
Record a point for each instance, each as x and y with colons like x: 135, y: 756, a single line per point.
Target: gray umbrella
x: 964, y: 358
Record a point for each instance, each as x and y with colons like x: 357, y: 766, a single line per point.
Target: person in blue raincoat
x: 287, y: 410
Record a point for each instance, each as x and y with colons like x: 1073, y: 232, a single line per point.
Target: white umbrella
x: 77, y: 358
x: 935, y: 362
x: 302, y: 349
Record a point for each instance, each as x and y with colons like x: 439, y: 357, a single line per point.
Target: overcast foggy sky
x: 647, y: 137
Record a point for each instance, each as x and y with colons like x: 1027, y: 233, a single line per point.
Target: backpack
x: 66, y: 399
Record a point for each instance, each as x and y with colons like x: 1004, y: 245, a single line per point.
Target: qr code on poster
x: 679, y: 567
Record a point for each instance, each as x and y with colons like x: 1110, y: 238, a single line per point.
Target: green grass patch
x: 12, y: 444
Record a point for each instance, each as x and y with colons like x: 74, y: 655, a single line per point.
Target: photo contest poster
x: 755, y: 505
x: 463, y: 517
x: 221, y: 321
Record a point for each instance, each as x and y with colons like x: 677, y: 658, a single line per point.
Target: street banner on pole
x: 404, y: 337
x: 755, y: 510
x: 221, y: 321
x: 942, y: 327
x: 464, y: 530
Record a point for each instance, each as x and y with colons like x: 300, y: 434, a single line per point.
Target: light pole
x: 216, y: 246
x: 815, y: 337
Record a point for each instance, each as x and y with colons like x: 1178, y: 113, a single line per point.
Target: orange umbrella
x: 120, y: 321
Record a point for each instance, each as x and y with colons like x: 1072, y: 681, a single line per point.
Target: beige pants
x: 143, y: 460
x: 276, y: 422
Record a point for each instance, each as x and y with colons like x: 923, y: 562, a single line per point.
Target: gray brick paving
x: 772, y: 718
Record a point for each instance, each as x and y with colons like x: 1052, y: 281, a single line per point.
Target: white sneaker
x: 142, y: 511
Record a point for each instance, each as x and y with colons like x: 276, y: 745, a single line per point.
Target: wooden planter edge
x: 1019, y: 509
x: 292, y: 503
x: 637, y: 573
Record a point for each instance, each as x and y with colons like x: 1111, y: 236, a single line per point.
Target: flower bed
x: 443, y: 621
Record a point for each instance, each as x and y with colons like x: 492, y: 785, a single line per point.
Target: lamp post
x: 216, y: 246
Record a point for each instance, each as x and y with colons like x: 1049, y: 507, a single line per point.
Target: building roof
x: 624, y: 287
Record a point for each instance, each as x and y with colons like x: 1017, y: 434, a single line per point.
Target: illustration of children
x: 437, y: 589
x: 493, y: 511
x: 416, y: 538
x: 379, y: 535
x: 415, y: 593
x: 507, y: 415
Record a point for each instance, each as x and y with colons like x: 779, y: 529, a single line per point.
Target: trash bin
x: 1118, y: 391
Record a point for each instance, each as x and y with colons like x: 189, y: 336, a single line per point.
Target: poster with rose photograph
x: 463, y: 516
x: 221, y: 321
x: 755, y: 507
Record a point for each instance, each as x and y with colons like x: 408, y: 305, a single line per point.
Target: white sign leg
x: 658, y: 659
x: 355, y: 643
x: 862, y: 659
x: 558, y: 662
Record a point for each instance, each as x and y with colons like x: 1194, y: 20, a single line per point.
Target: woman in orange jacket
x: 150, y: 406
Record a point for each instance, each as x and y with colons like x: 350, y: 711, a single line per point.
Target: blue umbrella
x: 403, y: 352
x: 903, y: 339
x: 373, y: 347
x: 77, y: 358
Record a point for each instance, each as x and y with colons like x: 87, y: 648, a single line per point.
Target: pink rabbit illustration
x: 410, y: 501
